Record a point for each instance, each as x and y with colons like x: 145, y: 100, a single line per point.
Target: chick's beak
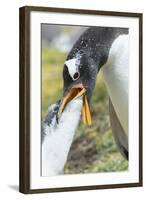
x: 75, y: 92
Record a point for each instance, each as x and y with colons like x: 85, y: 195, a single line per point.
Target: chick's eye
x: 76, y: 75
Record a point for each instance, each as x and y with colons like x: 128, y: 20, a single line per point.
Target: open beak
x: 75, y: 92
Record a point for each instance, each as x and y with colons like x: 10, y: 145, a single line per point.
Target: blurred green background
x: 93, y: 149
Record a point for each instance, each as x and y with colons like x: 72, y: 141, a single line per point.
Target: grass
x: 52, y: 82
x: 93, y: 149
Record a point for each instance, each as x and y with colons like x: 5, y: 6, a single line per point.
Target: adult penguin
x: 102, y: 49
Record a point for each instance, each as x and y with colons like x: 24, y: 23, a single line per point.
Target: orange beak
x: 75, y: 92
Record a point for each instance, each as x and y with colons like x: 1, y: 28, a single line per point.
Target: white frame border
x: 132, y: 176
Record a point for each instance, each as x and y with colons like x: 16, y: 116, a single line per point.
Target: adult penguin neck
x: 115, y: 73
x: 95, y: 42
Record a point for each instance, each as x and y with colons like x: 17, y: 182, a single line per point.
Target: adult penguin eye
x: 76, y: 75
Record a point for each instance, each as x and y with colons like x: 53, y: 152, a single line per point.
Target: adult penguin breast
x: 115, y: 73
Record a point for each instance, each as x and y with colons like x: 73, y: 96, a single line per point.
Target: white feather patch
x: 72, y: 66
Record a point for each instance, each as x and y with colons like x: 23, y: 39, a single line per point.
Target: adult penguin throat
x: 76, y: 91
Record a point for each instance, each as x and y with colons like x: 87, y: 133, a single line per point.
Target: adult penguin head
x: 79, y: 75
x: 80, y: 71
